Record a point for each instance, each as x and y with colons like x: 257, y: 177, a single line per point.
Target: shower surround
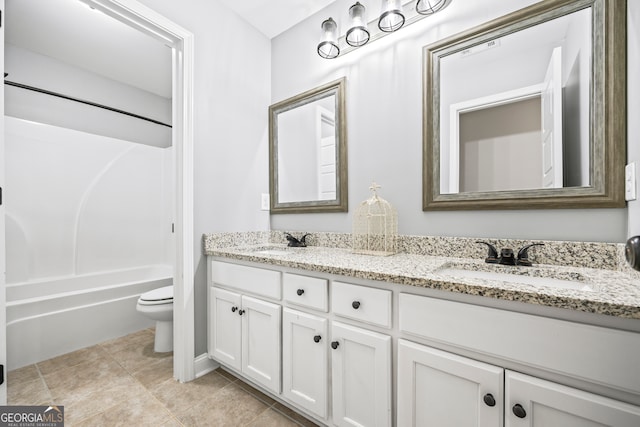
x: 88, y: 228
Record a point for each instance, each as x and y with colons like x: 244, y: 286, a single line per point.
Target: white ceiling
x: 70, y: 31
x: 273, y: 17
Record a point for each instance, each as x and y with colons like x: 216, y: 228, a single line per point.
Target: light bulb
x: 357, y: 35
x: 391, y: 17
x: 328, y: 46
x: 429, y: 7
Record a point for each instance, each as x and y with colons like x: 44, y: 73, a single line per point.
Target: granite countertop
x: 601, y: 291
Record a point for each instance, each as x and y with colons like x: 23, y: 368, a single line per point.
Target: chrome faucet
x: 507, y: 256
x: 296, y: 243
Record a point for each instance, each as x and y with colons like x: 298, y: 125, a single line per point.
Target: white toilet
x: 158, y: 305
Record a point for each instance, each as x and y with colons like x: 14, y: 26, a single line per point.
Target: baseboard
x: 203, y: 365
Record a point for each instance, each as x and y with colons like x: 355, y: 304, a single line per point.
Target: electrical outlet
x: 630, y: 183
x: 265, y: 202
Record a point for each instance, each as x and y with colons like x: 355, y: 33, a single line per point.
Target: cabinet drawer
x: 258, y: 281
x: 306, y: 291
x: 362, y: 303
x: 585, y: 352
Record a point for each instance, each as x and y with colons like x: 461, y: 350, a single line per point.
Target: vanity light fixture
x: 394, y: 15
x: 429, y: 7
x: 391, y: 17
x: 358, y: 34
x: 328, y: 47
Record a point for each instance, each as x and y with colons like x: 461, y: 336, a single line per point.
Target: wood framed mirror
x: 308, y: 151
x: 528, y: 110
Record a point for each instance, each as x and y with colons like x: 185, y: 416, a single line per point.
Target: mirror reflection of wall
x: 307, y: 152
x: 499, y: 147
x: 485, y: 89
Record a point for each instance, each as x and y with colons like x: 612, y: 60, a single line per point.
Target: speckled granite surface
x: 604, y: 283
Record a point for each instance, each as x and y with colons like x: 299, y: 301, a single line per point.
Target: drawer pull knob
x: 355, y: 305
x: 233, y: 309
x: 300, y: 292
x: 317, y: 338
x: 489, y: 400
x: 335, y: 344
x: 240, y: 312
x: 519, y: 411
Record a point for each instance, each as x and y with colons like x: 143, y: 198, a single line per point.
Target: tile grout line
x: 44, y: 382
x: 109, y: 355
x: 154, y: 397
x: 173, y: 414
x: 287, y: 416
x: 258, y: 416
x: 270, y: 406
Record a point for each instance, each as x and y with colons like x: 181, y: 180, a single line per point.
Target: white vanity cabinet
x: 329, y: 347
x: 436, y: 387
x: 533, y: 402
x: 244, y: 331
x: 362, y: 303
x: 304, y: 360
x: 225, y: 327
x: 361, y: 375
x: 443, y: 389
x: 360, y: 359
x: 245, y: 335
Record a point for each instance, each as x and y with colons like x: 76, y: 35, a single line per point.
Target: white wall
x: 384, y: 115
x: 44, y: 72
x: 82, y: 203
x: 231, y: 100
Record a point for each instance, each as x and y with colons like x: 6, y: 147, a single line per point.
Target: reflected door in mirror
x: 492, y: 88
x: 307, y: 152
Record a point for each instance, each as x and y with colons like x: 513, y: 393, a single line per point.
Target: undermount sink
x: 520, y: 275
x: 273, y: 250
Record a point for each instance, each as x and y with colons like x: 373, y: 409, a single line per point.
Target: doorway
x: 180, y: 41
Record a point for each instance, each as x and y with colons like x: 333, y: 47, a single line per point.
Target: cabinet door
x: 225, y: 327
x: 304, y: 360
x: 437, y: 388
x: 361, y: 375
x: 261, y: 342
x: 533, y: 402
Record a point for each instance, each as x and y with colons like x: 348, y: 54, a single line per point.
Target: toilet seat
x: 160, y: 296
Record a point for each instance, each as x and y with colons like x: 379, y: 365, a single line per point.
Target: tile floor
x: 123, y: 382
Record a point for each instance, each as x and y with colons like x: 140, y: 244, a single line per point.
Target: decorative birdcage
x: 375, y: 226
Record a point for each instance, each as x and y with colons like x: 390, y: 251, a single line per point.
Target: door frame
x: 490, y: 101
x: 3, y: 251
x: 144, y: 19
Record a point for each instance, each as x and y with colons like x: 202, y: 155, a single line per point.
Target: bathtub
x: 46, y: 318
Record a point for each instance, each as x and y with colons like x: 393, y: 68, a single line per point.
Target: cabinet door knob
x: 334, y: 344
x: 317, y: 338
x: 300, y: 292
x: 519, y: 411
x: 355, y: 305
x: 240, y: 312
x: 489, y: 400
x: 233, y: 309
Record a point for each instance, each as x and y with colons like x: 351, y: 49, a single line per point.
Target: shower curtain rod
x: 82, y: 101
